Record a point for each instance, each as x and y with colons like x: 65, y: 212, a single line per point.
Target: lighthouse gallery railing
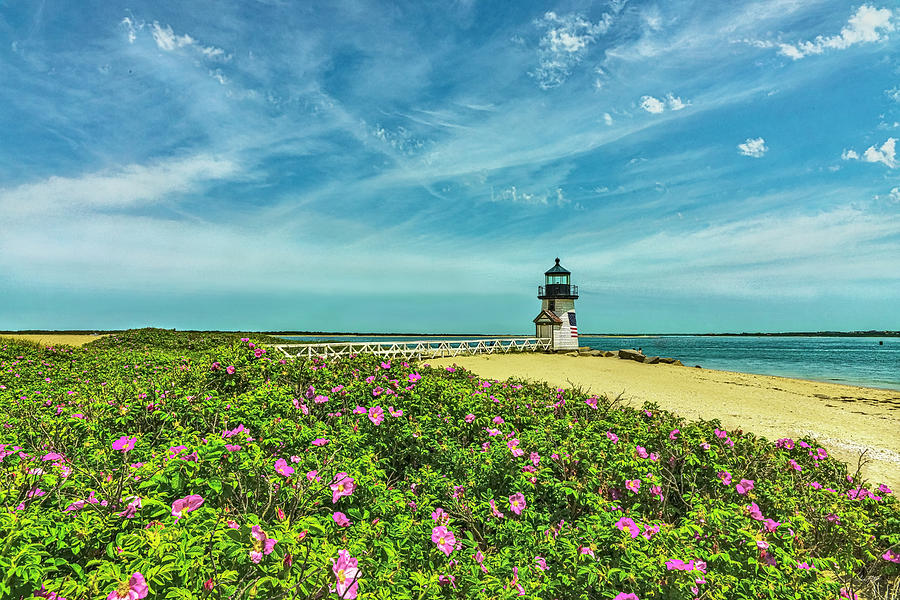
x: 416, y: 349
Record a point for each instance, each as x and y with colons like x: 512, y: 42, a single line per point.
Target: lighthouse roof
x: 557, y: 268
x: 547, y: 316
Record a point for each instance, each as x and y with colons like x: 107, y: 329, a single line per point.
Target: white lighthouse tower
x: 556, y: 321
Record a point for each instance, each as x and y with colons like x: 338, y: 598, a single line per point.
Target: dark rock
x: 651, y: 360
x: 609, y: 354
x: 631, y: 355
x: 665, y: 360
x: 678, y: 363
x: 597, y: 353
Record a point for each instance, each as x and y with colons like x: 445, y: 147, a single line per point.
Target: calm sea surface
x: 851, y: 360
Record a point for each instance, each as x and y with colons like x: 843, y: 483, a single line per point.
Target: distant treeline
x: 382, y: 334
x: 273, y: 333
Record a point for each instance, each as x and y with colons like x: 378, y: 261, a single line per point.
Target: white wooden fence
x: 417, y: 349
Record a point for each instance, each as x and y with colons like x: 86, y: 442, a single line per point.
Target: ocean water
x: 851, y: 360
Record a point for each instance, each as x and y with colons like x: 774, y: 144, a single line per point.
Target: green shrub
x: 108, y: 450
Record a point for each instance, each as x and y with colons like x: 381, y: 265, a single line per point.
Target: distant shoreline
x: 869, y: 333
x: 757, y: 334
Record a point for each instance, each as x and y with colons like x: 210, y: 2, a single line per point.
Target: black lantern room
x: 557, y: 284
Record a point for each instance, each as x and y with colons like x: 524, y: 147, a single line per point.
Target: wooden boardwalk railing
x: 416, y: 349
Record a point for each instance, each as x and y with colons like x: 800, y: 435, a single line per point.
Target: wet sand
x: 844, y: 419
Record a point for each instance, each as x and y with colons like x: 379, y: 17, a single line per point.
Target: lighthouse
x: 556, y: 320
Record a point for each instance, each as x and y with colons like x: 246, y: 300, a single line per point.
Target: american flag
x: 572, y: 326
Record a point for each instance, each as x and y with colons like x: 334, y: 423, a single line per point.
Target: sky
x: 416, y: 166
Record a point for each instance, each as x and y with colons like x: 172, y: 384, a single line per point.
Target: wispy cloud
x: 131, y: 28
x: 868, y: 24
x: 784, y: 255
x: 517, y: 196
x: 563, y: 44
x: 120, y: 188
x: 753, y: 147
x: 166, y: 39
x: 676, y: 103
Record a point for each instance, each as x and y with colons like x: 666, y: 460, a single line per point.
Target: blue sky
x: 373, y: 166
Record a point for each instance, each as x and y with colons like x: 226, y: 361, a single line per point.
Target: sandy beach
x: 844, y: 419
x: 53, y: 339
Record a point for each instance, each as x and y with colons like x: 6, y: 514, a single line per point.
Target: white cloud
x: 516, y: 196
x: 675, y: 103
x: 655, y: 106
x: 218, y: 76
x: 511, y: 194
x: 400, y: 139
x: 868, y: 24
x: 607, y: 118
x: 895, y: 194
x: 790, y: 51
x: 564, y: 44
x: 886, y: 154
x: 753, y: 147
x: 893, y: 94
x: 862, y: 27
x: 214, y: 53
x: 166, y: 39
x: 125, y: 187
x: 132, y: 28
x: 652, y: 105
x: 849, y: 155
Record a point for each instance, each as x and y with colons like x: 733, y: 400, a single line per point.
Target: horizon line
x: 820, y: 333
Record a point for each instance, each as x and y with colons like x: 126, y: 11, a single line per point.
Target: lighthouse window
x: 551, y: 304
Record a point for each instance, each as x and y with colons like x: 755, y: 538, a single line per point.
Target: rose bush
x: 157, y: 465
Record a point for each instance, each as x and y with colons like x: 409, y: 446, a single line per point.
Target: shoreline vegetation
x: 848, y: 419
x: 851, y: 418
x: 206, y: 465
